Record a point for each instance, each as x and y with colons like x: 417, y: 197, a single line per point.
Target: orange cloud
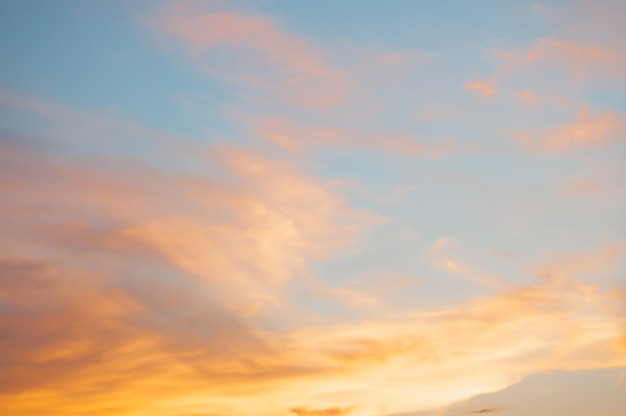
x: 129, y: 289
x: 116, y: 275
x: 483, y: 89
x: 584, y: 131
x: 167, y: 348
x: 530, y: 98
x: 333, y: 411
x: 247, y: 239
x: 486, y: 410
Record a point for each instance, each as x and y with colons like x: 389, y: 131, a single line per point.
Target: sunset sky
x: 312, y: 208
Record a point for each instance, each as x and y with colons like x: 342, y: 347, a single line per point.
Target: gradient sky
x: 312, y: 208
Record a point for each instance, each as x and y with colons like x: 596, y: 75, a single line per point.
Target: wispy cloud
x: 483, y: 89
x: 581, y: 62
x: 251, y: 49
x: 298, y: 137
x: 333, y: 411
x: 486, y: 410
x: 585, y: 130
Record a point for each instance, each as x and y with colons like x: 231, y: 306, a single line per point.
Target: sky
x: 312, y: 208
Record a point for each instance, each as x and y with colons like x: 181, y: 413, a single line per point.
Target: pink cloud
x: 586, y: 130
x: 533, y: 99
x: 583, y: 187
x: 582, y: 62
x: 248, y: 48
x: 595, y: 22
x: 298, y: 137
x: 482, y: 89
x: 103, y: 124
x: 598, y: 261
x: 404, y: 58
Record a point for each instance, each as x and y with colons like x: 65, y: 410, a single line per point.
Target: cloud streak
x: 486, y: 410
x: 584, y: 131
x: 265, y: 55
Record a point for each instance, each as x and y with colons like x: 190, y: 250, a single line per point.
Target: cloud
x: 243, y: 30
x: 586, y: 130
x: 251, y: 49
x: 131, y: 287
x: 404, y: 59
x: 532, y: 99
x: 581, y: 62
x: 128, y: 287
x: 583, y: 54
x: 493, y: 345
x: 298, y: 137
x: 282, y: 78
x: 592, y: 22
x: 483, y: 89
x: 53, y: 119
x: 486, y: 410
x: 599, y: 260
x: 246, y: 239
x: 97, y: 328
x: 583, y: 187
x: 113, y: 272
x: 332, y: 411
x: 442, y: 256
